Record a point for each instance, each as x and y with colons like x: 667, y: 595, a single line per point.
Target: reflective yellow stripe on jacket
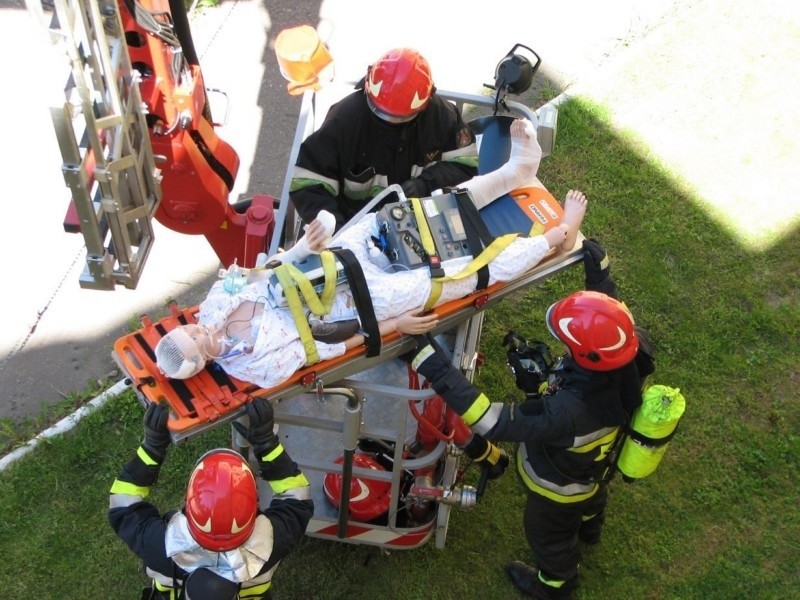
x: 574, y: 491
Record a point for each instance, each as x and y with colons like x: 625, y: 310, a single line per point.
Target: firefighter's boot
x: 526, y: 579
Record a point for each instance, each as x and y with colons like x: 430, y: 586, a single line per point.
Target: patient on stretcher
x: 255, y: 341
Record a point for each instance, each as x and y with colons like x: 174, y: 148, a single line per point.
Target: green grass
x: 719, y: 519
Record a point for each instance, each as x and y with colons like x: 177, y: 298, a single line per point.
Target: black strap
x: 358, y: 286
x: 649, y: 442
x: 478, y: 236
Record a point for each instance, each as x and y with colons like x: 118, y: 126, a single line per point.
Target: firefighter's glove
x: 490, y: 457
x: 156, y: 433
x: 595, y: 261
x: 415, y: 188
x: 597, y: 268
x: 260, y: 432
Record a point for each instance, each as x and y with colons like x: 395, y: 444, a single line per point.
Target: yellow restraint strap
x: 319, y: 305
x: 484, y: 258
x: 422, y: 225
x: 291, y: 278
x: 480, y: 261
x: 296, y: 306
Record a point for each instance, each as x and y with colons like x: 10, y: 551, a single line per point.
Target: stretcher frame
x: 213, y: 398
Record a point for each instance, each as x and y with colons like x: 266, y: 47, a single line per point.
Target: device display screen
x: 455, y: 224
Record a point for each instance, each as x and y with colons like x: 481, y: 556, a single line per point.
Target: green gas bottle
x: 652, y: 427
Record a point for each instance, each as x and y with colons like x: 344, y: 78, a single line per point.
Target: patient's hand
x: 319, y: 231
x: 414, y: 322
x: 316, y: 236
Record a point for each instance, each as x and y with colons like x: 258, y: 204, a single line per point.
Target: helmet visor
x: 388, y: 117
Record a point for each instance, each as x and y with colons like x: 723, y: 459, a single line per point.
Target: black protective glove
x: 490, y: 457
x: 156, y: 433
x: 260, y: 433
x: 415, y: 188
x: 597, y: 268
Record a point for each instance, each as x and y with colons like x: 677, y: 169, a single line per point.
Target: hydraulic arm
x: 138, y: 142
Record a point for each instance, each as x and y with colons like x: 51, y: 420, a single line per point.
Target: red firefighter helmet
x: 399, y: 85
x: 369, y: 498
x: 221, y: 501
x: 597, y: 329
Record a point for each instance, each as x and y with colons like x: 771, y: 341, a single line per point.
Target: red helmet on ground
x: 399, y: 85
x: 221, y: 501
x: 597, y: 329
x: 369, y: 498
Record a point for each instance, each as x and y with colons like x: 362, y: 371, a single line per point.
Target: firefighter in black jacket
x: 566, y: 438
x: 393, y: 129
x: 221, y: 544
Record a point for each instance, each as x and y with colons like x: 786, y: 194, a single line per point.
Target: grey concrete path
x: 693, y: 78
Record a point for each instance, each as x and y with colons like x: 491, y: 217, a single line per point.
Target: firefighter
x: 393, y: 129
x: 220, y: 545
x: 566, y: 437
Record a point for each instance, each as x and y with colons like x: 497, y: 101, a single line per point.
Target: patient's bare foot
x: 574, y: 210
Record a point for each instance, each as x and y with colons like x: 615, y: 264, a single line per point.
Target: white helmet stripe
x: 563, y: 326
x: 622, y: 339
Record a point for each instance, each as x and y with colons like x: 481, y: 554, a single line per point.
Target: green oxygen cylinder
x: 652, y: 427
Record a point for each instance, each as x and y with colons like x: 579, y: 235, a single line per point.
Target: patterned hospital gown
x: 278, y: 351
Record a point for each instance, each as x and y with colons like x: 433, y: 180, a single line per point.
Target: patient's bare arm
x: 412, y: 322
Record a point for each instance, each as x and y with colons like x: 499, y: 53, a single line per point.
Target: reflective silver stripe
x: 570, y: 489
x: 121, y: 500
x: 416, y: 170
x: 301, y: 173
x: 260, y: 579
x: 489, y: 419
x: 299, y: 493
x: 422, y: 356
x: 362, y: 189
x: 592, y: 437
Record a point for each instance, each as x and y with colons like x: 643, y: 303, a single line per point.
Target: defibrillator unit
x: 400, y: 236
x: 450, y: 218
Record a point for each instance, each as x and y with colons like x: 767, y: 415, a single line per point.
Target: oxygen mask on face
x: 234, y: 278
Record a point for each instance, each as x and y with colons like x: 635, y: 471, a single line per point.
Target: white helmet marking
x: 417, y: 103
x: 563, y: 326
x: 204, y: 528
x: 235, y: 526
x: 363, y: 491
x: 374, y: 88
x: 622, y: 339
